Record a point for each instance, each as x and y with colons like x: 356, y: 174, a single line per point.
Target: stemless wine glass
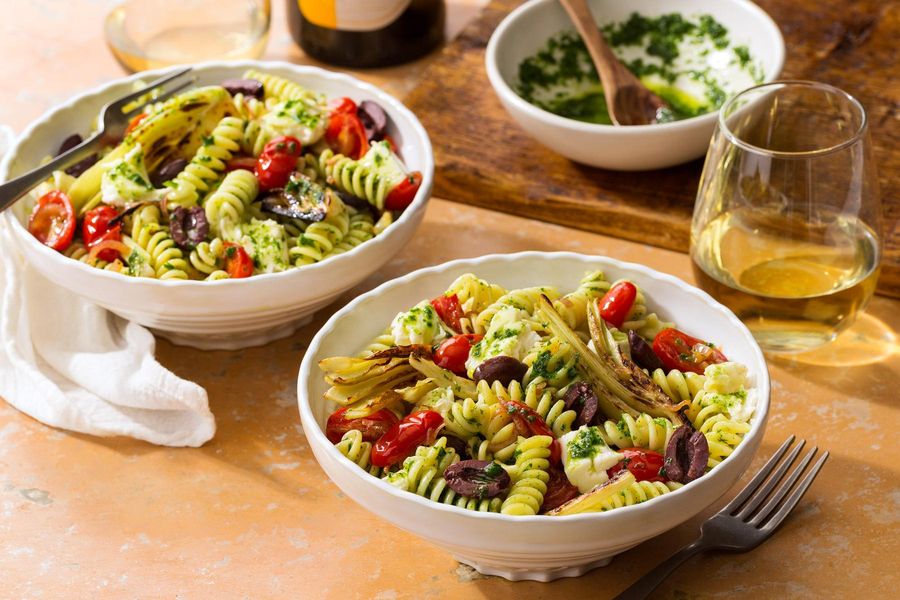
x: 787, y: 222
x: 149, y: 34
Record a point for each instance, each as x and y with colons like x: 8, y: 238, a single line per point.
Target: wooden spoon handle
x: 604, y: 59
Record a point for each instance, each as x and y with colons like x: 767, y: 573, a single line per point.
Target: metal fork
x: 114, y: 120
x: 745, y: 522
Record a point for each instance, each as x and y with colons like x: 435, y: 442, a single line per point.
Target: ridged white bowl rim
x: 503, y: 88
x: 309, y: 369
x: 418, y: 203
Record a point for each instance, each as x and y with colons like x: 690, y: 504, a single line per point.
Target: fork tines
x: 757, y: 503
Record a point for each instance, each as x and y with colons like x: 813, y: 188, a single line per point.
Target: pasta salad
x: 256, y: 175
x: 531, y: 401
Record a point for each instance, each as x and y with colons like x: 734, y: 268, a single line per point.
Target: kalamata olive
x: 373, y: 118
x: 168, y: 171
x: 642, y: 353
x: 457, y: 444
x: 582, y: 399
x: 504, y: 369
x: 247, y: 87
x: 82, y: 165
x: 69, y: 143
x: 686, y: 455
x: 477, y: 478
x: 189, y: 226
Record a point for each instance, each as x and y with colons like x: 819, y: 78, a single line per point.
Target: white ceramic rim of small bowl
x: 417, y: 204
x: 499, y: 83
x: 306, y: 371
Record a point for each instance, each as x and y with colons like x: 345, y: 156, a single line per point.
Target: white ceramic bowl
x: 224, y: 314
x: 528, y: 28
x: 540, y: 548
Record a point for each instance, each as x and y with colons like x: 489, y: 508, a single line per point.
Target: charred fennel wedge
x: 355, y: 381
x: 618, y: 389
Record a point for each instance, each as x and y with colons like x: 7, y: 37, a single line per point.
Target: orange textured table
x: 252, y: 515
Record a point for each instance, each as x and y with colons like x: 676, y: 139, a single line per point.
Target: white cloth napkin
x: 73, y: 365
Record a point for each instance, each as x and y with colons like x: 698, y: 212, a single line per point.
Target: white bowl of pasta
x: 488, y: 428
x: 353, y: 216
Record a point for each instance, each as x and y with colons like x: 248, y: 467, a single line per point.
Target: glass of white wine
x: 150, y: 34
x: 787, y: 222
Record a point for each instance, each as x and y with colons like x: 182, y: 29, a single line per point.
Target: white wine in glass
x: 786, y: 228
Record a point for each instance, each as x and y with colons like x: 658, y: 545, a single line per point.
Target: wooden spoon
x: 629, y: 102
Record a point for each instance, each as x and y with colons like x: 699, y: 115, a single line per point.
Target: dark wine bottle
x: 366, y: 33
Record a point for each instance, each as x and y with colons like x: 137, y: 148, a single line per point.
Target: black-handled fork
x: 114, y: 119
x: 748, y: 520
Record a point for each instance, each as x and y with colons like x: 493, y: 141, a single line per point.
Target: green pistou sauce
x: 690, y: 63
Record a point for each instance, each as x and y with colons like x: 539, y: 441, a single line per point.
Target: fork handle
x: 18, y: 187
x: 645, y: 585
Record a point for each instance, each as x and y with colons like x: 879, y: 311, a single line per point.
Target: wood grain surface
x: 484, y: 158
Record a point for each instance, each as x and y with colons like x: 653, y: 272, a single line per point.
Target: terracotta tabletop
x: 251, y: 514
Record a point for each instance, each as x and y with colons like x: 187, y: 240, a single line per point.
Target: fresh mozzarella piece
x: 301, y: 119
x: 586, y: 458
x: 266, y: 244
x: 381, y: 159
x: 511, y: 333
x: 418, y: 325
x: 726, y: 385
x: 126, y: 180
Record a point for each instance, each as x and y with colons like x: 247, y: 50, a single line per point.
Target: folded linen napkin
x: 73, y: 365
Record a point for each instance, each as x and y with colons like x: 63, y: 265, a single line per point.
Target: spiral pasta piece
x: 352, y: 177
x: 644, y: 432
x: 380, y: 343
x: 553, y: 362
x: 523, y: 299
x: 78, y: 251
x: 281, y: 88
x: 529, y: 476
x: 722, y: 435
x: 166, y: 258
x: 677, y: 385
x: 248, y: 107
x: 353, y: 447
x: 474, y: 294
x: 320, y: 239
x: 640, y: 320
x: 573, y: 306
x: 225, y: 207
x: 207, y: 164
x: 361, y: 229
x: 467, y: 418
x: 637, y: 492
x: 207, y: 258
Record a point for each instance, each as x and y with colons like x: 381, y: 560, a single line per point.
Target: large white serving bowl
x: 540, y: 548
x: 224, y: 314
x: 525, y: 31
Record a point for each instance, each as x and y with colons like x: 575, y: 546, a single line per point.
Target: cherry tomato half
x: 529, y: 422
x: 402, y: 195
x: 678, y: 350
x: 403, y: 438
x: 346, y: 135
x: 453, y: 352
x: 645, y: 465
x: 342, y: 105
x: 559, y: 490
x: 617, y: 302
x: 449, y: 310
x: 248, y: 163
x: 52, y: 221
x: 372, y: 427
x: 95, y: 228
x: 284, y: 144
x: 273, y: 169
x: 238, y: 263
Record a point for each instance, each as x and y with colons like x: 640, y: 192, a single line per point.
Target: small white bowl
x: 225, y: 314
x: 525, y: 31
x: 539, y: 548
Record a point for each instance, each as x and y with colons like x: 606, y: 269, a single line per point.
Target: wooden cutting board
x: 484, y: 158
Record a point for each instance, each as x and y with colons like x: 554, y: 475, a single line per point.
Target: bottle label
x: 353, y: 15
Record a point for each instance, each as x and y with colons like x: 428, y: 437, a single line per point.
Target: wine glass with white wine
x: 787, y: 222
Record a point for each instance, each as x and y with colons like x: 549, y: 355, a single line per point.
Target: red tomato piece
x: 95, y: 228
x: 238, y: 263
x: 529, y: 422
x: 284, y: 144
x: 645, y: 465
x: 403, y: 438
x: 346, y: 135
x: 273, y: 169
x: 342, y: 105
x: 135, y: 121
x: 372, y: 427
x: 403, y: 194
x: 453, y: 352
x: 248, y: 163
x: 111, y: 249
x: 449, y: 310
x: 559, y: 490
x: 52, y: 221
x: 617, y: 302
x: 678, y: 350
